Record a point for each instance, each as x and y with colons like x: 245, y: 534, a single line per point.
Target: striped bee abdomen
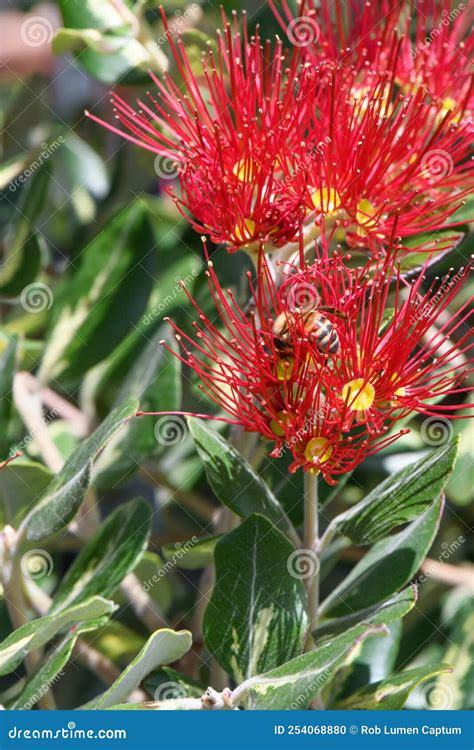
x: 325, y: 335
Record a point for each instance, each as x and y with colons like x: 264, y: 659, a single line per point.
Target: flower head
x: 229, y: 129
x: 315, y: 367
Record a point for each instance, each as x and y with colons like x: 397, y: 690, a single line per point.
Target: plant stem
x: 311, y: 542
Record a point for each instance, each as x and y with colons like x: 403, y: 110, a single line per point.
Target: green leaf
x: 109, y: 42
x: 100, y: 303
x: 107, y: 558
x: 35, y: 634
x: 8, y: 359
x: 390, y: 694
x: 23, y: 256
x: 380, y: 614
x: 455, y: 691
x: 256, y: 617
x: 191, y: 555
x: 233, y: 480
x: 64, y: 495
x: 465, y: 213
x: 375, y: 660
x: 156, y: 580
x: 21, y: 483
x: 155, y: 381
x: 459, y: 489
x: 166, y: 683
x: 294, y: 684
x: 105, y: 15
x: 387, y: 566
x: 83, y: 168
x: 400, y: 498
x: 163, y: 647
x: 50, y: 670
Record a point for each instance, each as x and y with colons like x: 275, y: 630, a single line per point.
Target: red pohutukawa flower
x: 315, y: 367
x: 228, y: 130
x: 385, y: 159
x: 434, y: 53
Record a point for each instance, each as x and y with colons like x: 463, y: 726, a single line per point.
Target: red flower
x: 368, y: 36
x: 315, y: 367
x: 384, y: 159
x: 229, y: 130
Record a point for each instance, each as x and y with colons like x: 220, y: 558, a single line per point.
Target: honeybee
x: 316, y: 325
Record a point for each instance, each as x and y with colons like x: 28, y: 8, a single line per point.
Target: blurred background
x: 92, y: 251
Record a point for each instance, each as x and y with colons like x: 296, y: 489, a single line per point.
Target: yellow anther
x: 358, y: 394
x: 326, y: 200
x: 245, y: 231
x: 284, y: 368
x: 277, y: 425
x: 318, y: 450
x: 245, y: 170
